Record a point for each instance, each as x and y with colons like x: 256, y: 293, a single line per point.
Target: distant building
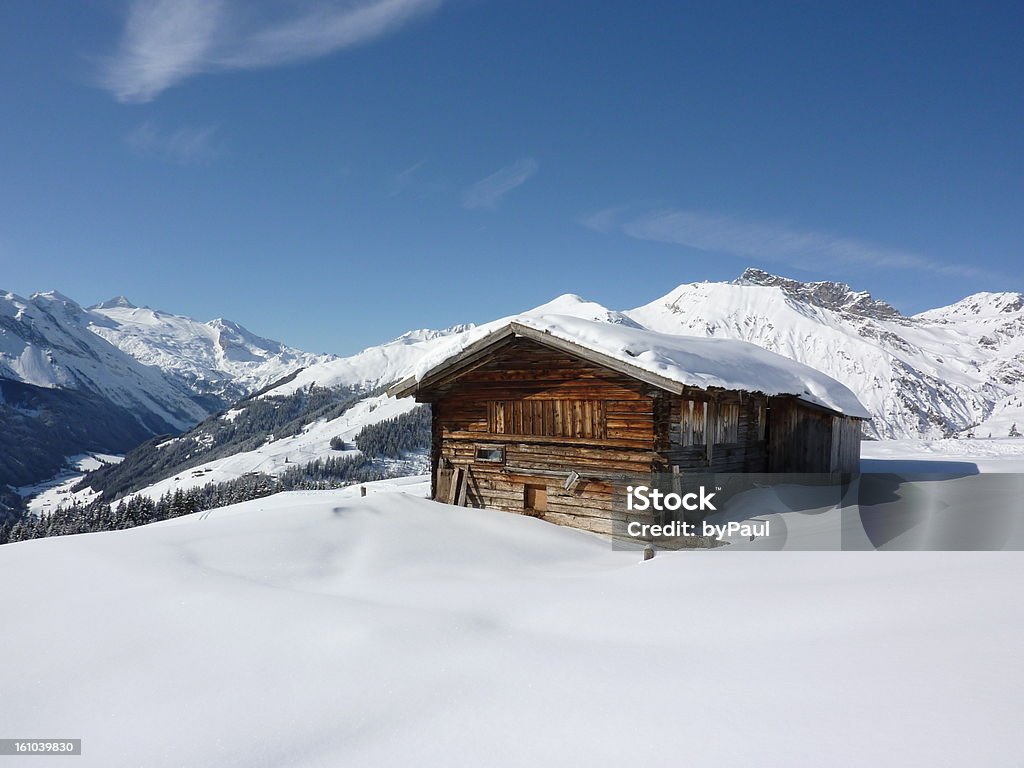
x: 539, y: 415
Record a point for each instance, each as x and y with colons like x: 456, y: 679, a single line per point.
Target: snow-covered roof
x: 665, y: 360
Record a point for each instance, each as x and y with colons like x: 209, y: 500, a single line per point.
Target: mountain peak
x: 760, y: 277
x: 987, y: 305
x: 118, y: 302
x: 836, y: 296
x: 221, y: 323
x: 54, y: 296
x: 576, y: 306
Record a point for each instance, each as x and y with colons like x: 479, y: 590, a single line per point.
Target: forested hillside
x: 247, y: 426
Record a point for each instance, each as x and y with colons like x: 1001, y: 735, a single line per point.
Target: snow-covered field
x: 47, y: 496
x: 943, y: 456
x: 325, y: 629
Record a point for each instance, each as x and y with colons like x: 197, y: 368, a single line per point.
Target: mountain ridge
x: 953, y: 370
x: 105, y: 378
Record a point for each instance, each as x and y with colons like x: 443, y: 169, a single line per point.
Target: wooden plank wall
x: 807, y: 439
x: 747, y: 454
x: 845, y: 444
x: 526, y: 371
x: 547, y: 417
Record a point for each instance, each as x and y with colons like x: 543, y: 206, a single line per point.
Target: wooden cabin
x: 533, y: 418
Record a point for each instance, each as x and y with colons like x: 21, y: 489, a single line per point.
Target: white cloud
x: 721, y: 233
x: 487, y: 193
x: 185, y: 146
x: 166, y: 41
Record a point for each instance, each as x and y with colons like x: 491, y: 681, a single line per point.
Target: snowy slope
x: 47, y: 341
x: 919, y: 376
x: 990, y: 328
x: 320, y: 629
x: 105, y: 379
x: 137, y: 357
x: 57, y: 491
x: 278, y: 455
x: 219, y: 358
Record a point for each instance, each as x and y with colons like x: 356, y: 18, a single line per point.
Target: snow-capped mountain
x: 108, y: 377
x: 953, y: 370
x: 218, y: 358
x: 956, y: 370
x: 48, y: 341
x: 64, y: 390
x: 990, y: 330
x: 932, y: 375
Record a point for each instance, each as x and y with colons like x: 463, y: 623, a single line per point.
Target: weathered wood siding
x: 533, y: 384
x: 806, y: 439
x: 845, y: 444
x: 746, y: 453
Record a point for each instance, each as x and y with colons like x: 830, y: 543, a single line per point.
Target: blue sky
x: 332, y: 174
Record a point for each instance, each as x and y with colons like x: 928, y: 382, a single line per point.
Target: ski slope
x: 323, y: 629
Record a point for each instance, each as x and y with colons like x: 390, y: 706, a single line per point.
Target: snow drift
x: 322, y: 629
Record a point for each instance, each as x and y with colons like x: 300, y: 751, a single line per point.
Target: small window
x: 490, y: 453
x: 536, y: 498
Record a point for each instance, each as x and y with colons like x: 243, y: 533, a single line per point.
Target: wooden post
x: 362, y: 490
x: 460, y: 497
x: 710, y: 419
x: 453, y: 491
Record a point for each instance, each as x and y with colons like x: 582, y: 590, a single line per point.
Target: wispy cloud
x: 408, y: 179
x: 184, y: 146
x: 166, y: 41
x: 163, y: 42
x: 722, y: 233
x: 487, y: 193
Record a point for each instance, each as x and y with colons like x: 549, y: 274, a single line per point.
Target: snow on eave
x: 667, y: 361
